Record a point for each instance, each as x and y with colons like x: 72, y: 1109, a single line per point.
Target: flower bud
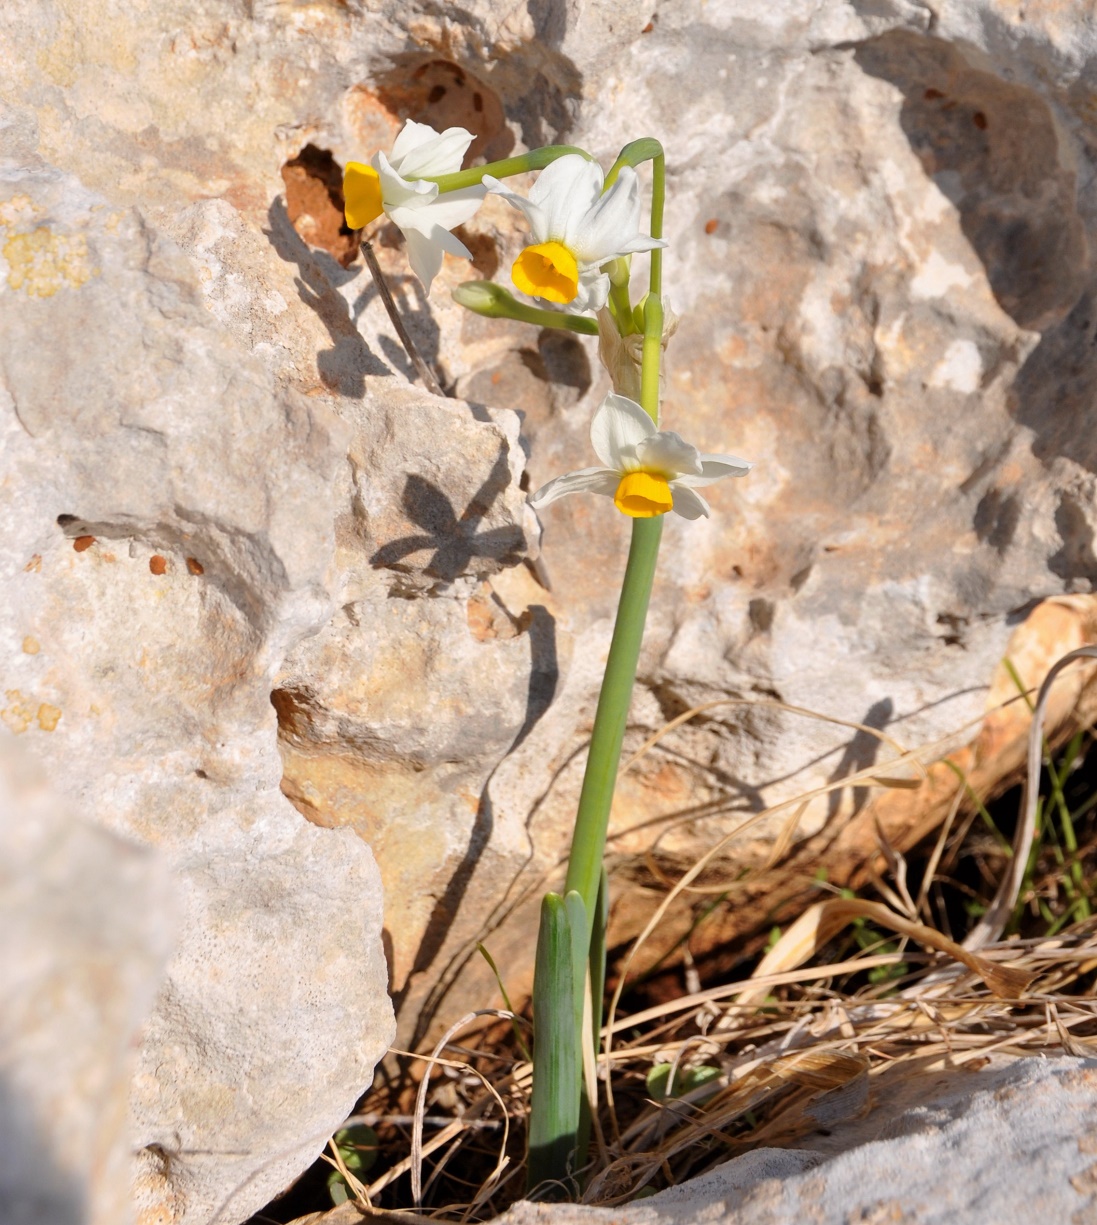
x: 486, y: 298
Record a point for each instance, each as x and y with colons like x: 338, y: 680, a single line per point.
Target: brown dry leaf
x: 821, y: 922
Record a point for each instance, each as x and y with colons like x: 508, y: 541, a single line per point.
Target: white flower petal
x: 449, y: 209
x: 424, y: 255
x: 532, y: 213
x: 411, y: 136
x: 618, y: 423
x: 396, y: 191
x: 591, y: 294
x: 440, y: 153
x: 565, y: 191
x: 642, y: 242
x: 585, y: 480
x: 670, y: 454
x: 410, y: 221
x: 687, y: 503
x: 598, y: 233
x: 715, y: 468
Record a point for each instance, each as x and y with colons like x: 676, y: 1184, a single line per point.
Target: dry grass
x: 796, y: 1046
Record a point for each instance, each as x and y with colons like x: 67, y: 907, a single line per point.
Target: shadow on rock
x: 455, y: 541
x: 342, y: 368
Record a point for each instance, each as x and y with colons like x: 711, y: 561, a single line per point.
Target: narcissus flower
x: 393, y: 185
x: 578, y: 229
x: 647, y: 471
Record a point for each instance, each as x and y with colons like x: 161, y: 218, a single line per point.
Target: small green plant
x: 585, y: 226
x: 356, y: 1147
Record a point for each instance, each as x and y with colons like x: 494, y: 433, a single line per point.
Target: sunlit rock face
x: 280, y: 597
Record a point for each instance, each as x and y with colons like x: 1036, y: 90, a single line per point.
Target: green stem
x: 494, y: 302
x: 535, y: 159
x: 620, y: 304
x: 596, y: 798
x: 647, y: 149
x: 652, y: 351
x: 592, y: 820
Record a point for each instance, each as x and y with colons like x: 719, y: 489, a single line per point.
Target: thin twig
x: 424, y: 371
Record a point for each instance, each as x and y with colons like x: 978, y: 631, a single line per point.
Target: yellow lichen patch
x: 30, y: 646
x: 48, y: 716
x: 19, y: 208
x: 17, y: 714
x: 41, y: 262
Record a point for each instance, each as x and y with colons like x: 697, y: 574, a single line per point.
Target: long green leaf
x: 554, y: 1105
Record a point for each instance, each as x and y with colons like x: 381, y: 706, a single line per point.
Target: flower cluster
x: 584, y: 233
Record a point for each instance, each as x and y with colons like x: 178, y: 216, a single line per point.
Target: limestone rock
x: 881, y: 255
x: 985, y: 1148
x: 166, y: 538
x: 87, y: 930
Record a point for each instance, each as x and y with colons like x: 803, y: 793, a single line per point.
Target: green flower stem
x: 646, y: 149
x: 494, y: 302
x: 592, y: 820
x: 573, y: 929
x: 620, y: 304
x: 596, y: 798
x: 650, y: 355
x: 535, y: 159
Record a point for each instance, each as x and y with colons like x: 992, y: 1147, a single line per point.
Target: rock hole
x: 996, y: 519
x: 1076, y: 560
x: 800, y: 577
x: 953, y: 629
x: 761, y: 613
x: 314, y: 203
x: 65, y: 520
x: 293, y: 708
x: 444, y: 95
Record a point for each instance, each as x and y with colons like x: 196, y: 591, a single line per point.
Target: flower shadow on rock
x: 455, y: 541
x: 342, y: 368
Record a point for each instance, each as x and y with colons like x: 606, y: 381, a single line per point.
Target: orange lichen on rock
x: 17, y: 714
x: 48, y: 716
x: 83, y: 542
x: 195, y: 566
x: 30, y: 646
x: 157, y: 564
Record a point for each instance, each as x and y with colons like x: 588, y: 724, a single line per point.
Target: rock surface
x: 992, y: 1147
x: 80, y: 973
x: 881, y: 250
x: 166, y: 539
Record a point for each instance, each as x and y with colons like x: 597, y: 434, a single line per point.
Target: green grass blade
x: 506, y: 1000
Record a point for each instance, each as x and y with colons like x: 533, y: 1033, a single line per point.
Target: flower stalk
x: 584, y: 228
x: 586, y: 873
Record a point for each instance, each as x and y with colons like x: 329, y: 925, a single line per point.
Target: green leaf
x: 685, y: 1080
x: 554, y: 1104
